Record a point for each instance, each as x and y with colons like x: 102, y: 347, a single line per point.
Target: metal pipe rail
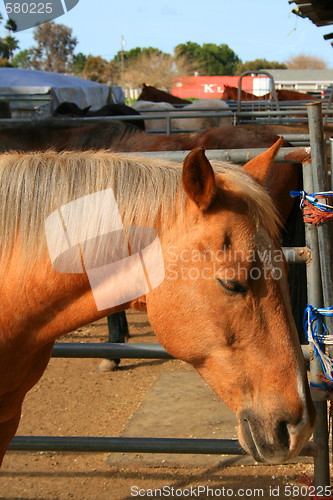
x: 109, y: 350
x: 119, y: 350
x: 126, y: 445
x: 232, y: 155
x: 184, y: 110
x: 6, y: 124
x: 297, y: 112
x: 287, y: 105
x: 73, y: 122
x: 79, y: 121
x: 135, y: 445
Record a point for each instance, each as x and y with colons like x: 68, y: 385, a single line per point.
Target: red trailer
x: 210, y: 87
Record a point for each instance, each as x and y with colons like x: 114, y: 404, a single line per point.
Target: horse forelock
x: 147, y: 191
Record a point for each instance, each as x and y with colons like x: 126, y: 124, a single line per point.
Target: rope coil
x: 314, y: 211
x: 317, y: 333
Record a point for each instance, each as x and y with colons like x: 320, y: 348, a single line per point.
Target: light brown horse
x: 223, y: 304
x: 231, y: 94
x: 293, y: 95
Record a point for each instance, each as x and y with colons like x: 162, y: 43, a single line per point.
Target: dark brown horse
x: 113, y: 109
x: 153, y: 94
x: 119, y: 137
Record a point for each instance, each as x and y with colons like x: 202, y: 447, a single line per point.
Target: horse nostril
x: 283, y: 433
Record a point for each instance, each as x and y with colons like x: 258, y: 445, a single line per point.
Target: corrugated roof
x: 302, y: 75
x: 320, y: 12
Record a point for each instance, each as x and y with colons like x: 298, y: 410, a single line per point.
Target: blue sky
x: 252, y: 28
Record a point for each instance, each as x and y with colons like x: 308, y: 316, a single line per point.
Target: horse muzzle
x: 274, y: 440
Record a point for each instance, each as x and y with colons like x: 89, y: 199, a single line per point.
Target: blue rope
x: 314, y: 326
x: 316, y: 331
x: 311, y: 198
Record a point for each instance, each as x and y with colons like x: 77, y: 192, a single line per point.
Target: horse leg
x: 7, y: 432
x: 30, y: 369
x: 118, y: 333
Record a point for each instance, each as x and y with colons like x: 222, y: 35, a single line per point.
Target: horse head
x: 227, y: 94
x: 224, y: 304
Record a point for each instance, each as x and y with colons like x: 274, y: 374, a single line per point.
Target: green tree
x: 23, y: 59
x: 55, y: 47
x: 79, y: 61
x: 129, y: 56
x: 8, y: 44
x: 258, y: 64
x: 10, y: 25
x: 190, y: 51
x: 98, y: 69
x: 218, y: 59
x: 4, y: 63
x: 208, y: 59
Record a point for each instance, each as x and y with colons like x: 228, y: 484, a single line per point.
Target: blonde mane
x: 33, y: 185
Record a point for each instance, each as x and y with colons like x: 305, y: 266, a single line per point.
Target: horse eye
x: 232, y: 286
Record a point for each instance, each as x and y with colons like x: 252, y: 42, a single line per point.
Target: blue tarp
x: 61, y: 87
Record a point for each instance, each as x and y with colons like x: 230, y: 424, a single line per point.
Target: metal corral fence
x: 293, y: 114
x: 320, y: 292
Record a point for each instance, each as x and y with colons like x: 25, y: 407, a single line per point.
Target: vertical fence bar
x: 320, y: 183
x: 168, y: 124
x: 331, y: 161
x: 315, y: 298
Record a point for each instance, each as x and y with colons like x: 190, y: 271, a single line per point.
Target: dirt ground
x: 75, y: 399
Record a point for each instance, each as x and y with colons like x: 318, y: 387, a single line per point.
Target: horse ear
x: 259, y: 166
x: 139, y: 304
x: 199, y: 178
x: 85, y: 110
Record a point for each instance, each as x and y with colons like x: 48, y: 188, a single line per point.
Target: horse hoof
x: 107, y: 365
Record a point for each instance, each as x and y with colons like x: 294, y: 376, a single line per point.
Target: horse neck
x: 47, y: 303
x: 128, y: 138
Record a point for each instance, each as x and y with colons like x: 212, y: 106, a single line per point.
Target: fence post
x: 331, y: 158
x: 315, y: 298
x: 322, y: 254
